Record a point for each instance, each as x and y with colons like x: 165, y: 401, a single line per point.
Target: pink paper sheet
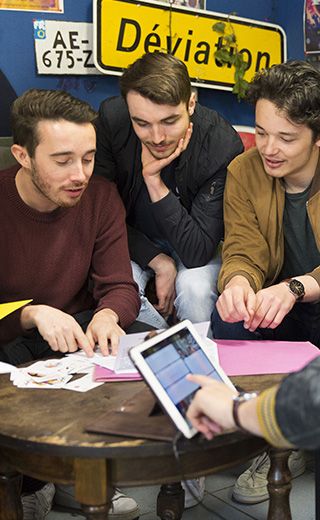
x: 105, y: 374
x: 239, y: 358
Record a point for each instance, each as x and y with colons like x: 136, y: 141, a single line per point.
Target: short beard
x: 44, y: 189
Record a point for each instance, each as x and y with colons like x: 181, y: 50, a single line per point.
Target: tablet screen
x: 172, y: 359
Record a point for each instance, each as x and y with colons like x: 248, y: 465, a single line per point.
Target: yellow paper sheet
x: 7, y: 308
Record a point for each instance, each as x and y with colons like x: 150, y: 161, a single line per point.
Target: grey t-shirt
x: 301, y: 254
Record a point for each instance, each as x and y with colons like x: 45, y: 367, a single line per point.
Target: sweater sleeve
x: 298, y: 406
x: 289, y: 414
x: 266, y: 411
x: 113, y: 285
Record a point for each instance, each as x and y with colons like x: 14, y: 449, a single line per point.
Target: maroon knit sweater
x: 51, y: 257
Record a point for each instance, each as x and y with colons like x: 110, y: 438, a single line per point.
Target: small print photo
x: 196, y: 4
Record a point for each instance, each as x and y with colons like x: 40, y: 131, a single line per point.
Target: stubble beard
x: 43, y: 189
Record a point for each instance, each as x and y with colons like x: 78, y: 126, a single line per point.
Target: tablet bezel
x: 140, y: 363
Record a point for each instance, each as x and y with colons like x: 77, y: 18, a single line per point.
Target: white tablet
x: 166, y: 359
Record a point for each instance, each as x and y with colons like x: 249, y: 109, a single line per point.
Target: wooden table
x: 42, y: 435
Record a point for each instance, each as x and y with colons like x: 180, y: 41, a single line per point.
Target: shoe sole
x: 242, y: 499
x: 249, y: 500
x: 132, y: 515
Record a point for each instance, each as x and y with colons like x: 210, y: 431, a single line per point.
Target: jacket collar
x: 315, y: 186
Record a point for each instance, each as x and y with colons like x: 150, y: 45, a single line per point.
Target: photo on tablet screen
x: 168, y: 360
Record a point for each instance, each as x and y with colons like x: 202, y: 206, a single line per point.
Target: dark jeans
x: 31, y: 347
x: 302, y: 323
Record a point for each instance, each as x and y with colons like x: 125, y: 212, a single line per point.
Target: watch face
x: 297, y: 288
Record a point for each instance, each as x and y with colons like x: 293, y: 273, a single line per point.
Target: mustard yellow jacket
x: 253, y: 217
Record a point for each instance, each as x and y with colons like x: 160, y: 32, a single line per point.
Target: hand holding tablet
x: 166, y: 359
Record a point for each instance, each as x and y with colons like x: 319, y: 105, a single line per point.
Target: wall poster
x: 312, y: 31
x: 197, y: 4
x: 33, y: 5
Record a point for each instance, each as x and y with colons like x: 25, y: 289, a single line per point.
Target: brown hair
x: 294, y: 88
x: 158, y: 76
x: 36, y: 105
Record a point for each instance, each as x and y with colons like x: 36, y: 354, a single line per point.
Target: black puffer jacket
x: 193, y: 223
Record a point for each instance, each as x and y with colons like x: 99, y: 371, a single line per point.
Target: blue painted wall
x: 17, y: 58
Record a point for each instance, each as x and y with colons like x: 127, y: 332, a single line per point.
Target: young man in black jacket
x: 168, y: 156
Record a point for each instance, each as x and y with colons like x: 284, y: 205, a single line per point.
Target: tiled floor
x: 218, y: 499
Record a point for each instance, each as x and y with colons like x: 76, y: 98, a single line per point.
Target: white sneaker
x: 251, y: 485
x: 37, y: 505
x: 121, y: 508
x: 194, y: 491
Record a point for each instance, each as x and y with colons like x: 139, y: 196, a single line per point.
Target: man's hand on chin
x: 152, y: 167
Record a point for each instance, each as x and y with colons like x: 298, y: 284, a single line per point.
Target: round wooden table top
x: 55, y: 420
x: 43, y: 435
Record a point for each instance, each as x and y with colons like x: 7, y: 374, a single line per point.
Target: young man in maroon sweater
x: 63, y: 239
x: 63, y: 243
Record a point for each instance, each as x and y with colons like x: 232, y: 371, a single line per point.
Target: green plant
x: 228, y: 54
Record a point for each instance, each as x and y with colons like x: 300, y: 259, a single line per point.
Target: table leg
x: 10, y: 501
x: 170, y: 502
x: 91, y: 487
x: 95, y: 512
x: 279, y: 485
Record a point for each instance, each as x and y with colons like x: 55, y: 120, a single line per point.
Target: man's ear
x: 21, y: 155
x: 192, y: 103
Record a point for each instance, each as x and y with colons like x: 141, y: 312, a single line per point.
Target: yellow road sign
x: 125, y: 30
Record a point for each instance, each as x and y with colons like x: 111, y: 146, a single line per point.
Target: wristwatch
x: 239, y: 399
x: 296, y: 288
